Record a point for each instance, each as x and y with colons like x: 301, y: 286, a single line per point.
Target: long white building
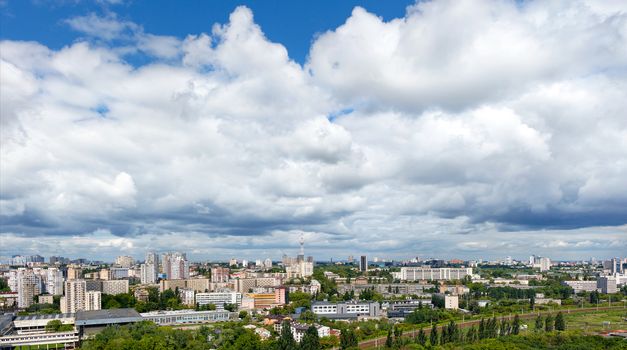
x: 434, y: 274
x: 219, y: 299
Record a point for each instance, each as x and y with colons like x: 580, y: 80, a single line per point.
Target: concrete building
x: 124, y: 261
x: 607, y: 284
x: 299, y: 330
x: 244, y: 285
x: 114, y: 287
x: 177, y: 317
x: 92, y: 300
x: 75, y: 296
x: 434, y: 274
x: 219, y: 299
x: 187, y: 296
x: 149, y: 270
x: 363, y: 263
x: 197, y: 284
x: 545, y: 264
x: 581, y: 286
x: 451, y: 302
x: 54, y: 281
x: 175, y: 266
x: 347, y: 310
x: 220, y: 274
x: 74, y: 273
x: 28, y: 287
x: 45, y: 299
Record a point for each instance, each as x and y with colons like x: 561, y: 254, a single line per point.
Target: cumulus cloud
x: 463, y: 129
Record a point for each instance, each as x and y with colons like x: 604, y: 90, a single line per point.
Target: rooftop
x: 108, y: 316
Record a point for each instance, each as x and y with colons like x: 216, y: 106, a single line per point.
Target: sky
x: 395, y: 129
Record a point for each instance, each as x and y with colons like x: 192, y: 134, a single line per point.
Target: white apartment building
x: 434, y: 274
x: 92, y: 300
x: 345, y: 310
x: 219, y: 299
x: 187, y: 296
x: 74, y: 299
x: 545, y: 264
x: 54, y: 281
x: 175, y: 266
x: 607, y: 284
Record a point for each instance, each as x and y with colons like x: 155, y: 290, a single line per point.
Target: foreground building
x: 434, y: 274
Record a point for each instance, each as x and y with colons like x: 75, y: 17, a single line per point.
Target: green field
x: 595, y: 321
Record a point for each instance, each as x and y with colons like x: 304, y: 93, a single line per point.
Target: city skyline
x: 431, y: 129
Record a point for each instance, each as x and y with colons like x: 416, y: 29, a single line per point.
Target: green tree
x: 433, y: 337
x: 422, y: 337
x: 516, y: 325
x: 539, y: 324
x: 548, y: 323
x: 560, y: 324
x: 348, y: 339
x: 482, y: 329
x: 388, y: 339
x: 286, y: 339
x: 311, y: 340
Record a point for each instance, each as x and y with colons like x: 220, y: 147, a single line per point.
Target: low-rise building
x: 188, y: 316
x: 434, y: 274
x: 347, y: 310
x: 581, y: 286
x: 219, y: 299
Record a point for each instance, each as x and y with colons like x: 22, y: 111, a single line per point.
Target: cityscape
x: 307, y: 175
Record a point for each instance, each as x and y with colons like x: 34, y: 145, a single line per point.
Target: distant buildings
x: 219, y: 274
x: 150, y: 269
x: 581, y: 286
x: 363, y: 263
x: 607, y: 284
x: 124, y: 261
x: 197, y: 284
x: 433, y: 274
x: 545, y: 264
x: 175, y: 266
x: 299, y: 267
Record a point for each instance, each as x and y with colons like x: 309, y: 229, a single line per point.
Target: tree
x: 560, y: 324
x: 516, y: 325
x: 594, y: 297
x: 453, y: 332
x: 433, y: 337
x: 539, y: 323
x: 348, y: 339
x: 310, y: 341
x: 286, y: 339
x: 422, y: 337
x: 482, y: 330
x: 548, y: 323
x: 388, y: 340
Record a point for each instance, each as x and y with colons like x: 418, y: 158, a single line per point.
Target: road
x: 379, y: 342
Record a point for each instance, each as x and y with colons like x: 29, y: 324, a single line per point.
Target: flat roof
x: 108, y: 316
x: 43, y: 317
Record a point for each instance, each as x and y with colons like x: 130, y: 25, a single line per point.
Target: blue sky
x: 444, y: 129
x: 292, y: 23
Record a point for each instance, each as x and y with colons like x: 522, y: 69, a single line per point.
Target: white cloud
x: 465, y: 128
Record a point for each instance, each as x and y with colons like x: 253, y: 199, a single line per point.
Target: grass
x: 594, y: 321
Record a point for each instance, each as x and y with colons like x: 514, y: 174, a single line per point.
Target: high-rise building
x: 267, y: 263
x: 175, y: 266
x: 219, y: 274
x: 75, y: 294
x: 92, y: 300
x: 74, y: 273
x: 124, y: 261
x: 532, y: 260
x: 300, y: 267
x: 54, y: 281
x: 28, y: 287
x: 363, y: 263
x: 545, y: 264
x: 150, y: 268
